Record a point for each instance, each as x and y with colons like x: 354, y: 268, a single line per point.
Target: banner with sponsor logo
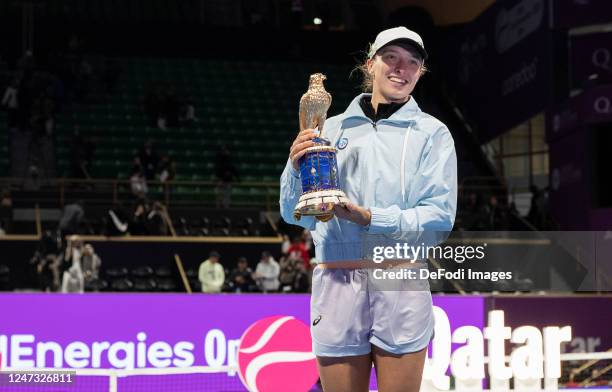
x: 173, y: 330
x: 263, y: 341
x: 587, y: 316
x: 137, y: 331
x: 590, y: 54
x: 503, y: 71
x: 593, y: 106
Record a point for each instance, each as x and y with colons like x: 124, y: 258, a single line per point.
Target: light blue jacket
x: 404, y: 169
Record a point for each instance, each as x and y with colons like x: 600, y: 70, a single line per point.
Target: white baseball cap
x: 401, y: 35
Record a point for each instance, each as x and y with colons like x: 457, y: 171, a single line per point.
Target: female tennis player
x: 398, y: 167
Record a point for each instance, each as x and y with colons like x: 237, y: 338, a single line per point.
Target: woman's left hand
x: 353, y: 213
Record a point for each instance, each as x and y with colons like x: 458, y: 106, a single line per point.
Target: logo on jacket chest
x: 342, y: 143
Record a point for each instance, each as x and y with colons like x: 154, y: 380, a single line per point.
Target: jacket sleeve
x: 290, y: 192
x: 436, y: 181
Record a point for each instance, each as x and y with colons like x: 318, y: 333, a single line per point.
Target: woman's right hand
x: 302, y: 141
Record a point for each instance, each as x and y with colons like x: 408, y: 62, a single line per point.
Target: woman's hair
x: 367, y: 78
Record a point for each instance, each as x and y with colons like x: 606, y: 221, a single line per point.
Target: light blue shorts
x: 350, y: 311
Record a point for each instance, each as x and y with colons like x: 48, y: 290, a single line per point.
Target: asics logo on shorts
x: 316, y: 321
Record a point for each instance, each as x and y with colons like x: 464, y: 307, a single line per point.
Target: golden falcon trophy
x: 318, y: 166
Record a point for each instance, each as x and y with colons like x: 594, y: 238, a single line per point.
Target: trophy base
x: 319, y: 204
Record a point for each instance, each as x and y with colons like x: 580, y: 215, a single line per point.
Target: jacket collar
x: 404, y: 114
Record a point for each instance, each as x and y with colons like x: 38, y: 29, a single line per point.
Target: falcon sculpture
x: 314, y: 104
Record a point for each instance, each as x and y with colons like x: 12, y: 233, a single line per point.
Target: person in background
x: 46, y: 271
x: 138, y: 222
x: 301, y: 280
x: 44, y: 268
x: 497, y: 216
x: 91, y: 263
x: 73, y: 281
x: 211, y: 274
x: 298, y: 250
x: 72, y: 252
x: 117, y: 223
x: 286, y: 244
x: 267, y: 272
x: 308, y: 245
x: 46, y: 261
x: 72, y: 275
x: 156, y: 220
x: 71, y: 218
x: 241, y: 280
x: 138, y: 184
x: 288, y: 270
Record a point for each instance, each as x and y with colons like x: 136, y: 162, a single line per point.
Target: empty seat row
x: 251, y: 106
